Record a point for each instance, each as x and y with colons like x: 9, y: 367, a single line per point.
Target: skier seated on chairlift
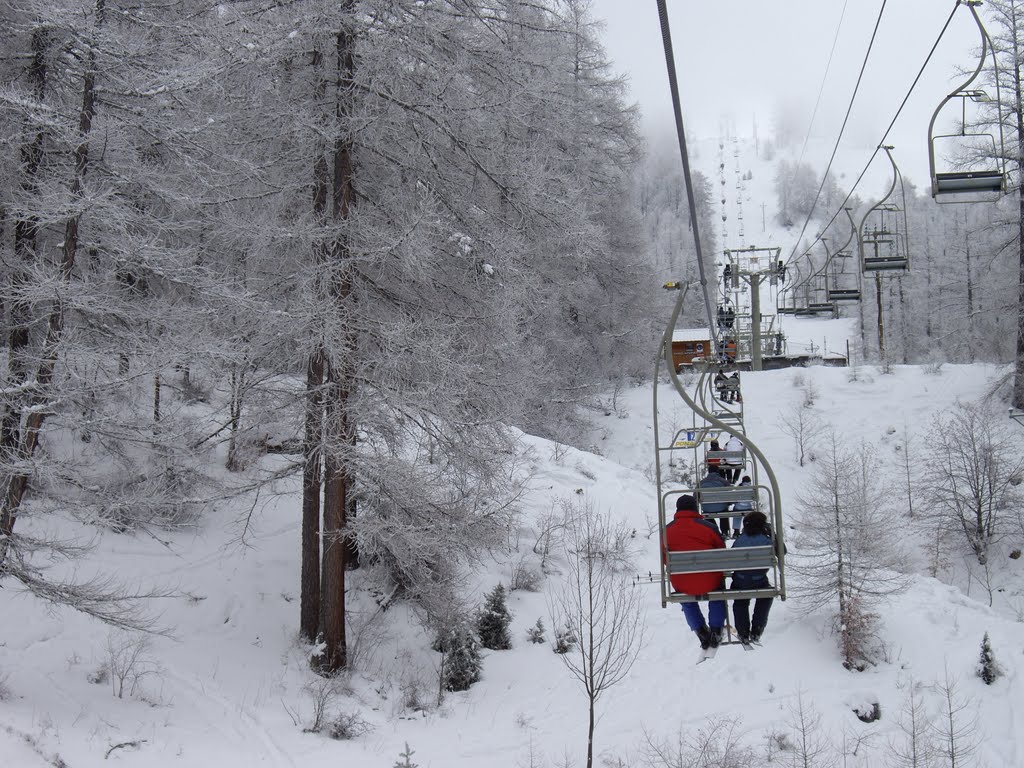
x: 756, y: 533
x: 733, y: 466
x: 734, y: 388
x: 689, y: 532
x: 721, y: 383
x: 715, y: 479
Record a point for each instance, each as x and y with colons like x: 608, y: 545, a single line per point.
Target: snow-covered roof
x: 690, y: 334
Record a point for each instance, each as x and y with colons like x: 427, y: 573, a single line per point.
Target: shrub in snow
x: 868, y: 712
x: 565, y: 639
x: 461, y: 663
x: 324, y: 691
x: 99, y: 676
x: 525, y: 577
x: 5, y: 692
x: 535, y: 634
x: 413, y: 696
x: 988, y: 669
x: 347, y: 725
x: 492, y: 621
x: 129, y: 661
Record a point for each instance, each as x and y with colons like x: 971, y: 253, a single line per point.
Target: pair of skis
x: 709, y: 653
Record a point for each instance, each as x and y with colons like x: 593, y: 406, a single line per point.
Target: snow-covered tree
x: 988, y: 668
x: 461, y: 663
x: 972, y: 474
x: 845, y: 560
x: 915, y: 747
x: 599, y: 606
x: 493, y: 620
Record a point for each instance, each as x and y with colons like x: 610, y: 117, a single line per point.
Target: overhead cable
x: 666, y: 38
x: 835, y: 149
x: 887, y: 130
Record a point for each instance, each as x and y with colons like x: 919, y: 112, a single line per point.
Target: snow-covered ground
x: 230, y: 688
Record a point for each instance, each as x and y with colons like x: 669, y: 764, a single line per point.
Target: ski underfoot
x: 747, y: 646
x: 709, y: 653
x: 706, y: 653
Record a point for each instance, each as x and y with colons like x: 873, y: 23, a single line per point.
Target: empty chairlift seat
x: 972, y: 181
x: 843, y: 294
x: 884, y: 263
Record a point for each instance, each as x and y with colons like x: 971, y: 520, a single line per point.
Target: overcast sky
x: 744, y: 60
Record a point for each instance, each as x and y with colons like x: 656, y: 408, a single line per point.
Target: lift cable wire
x: 666, y: 38
x: 835, y: 149
x: 824, y: 79
x: 881, y: 142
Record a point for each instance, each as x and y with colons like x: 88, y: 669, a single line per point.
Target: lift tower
x: 749, y: 267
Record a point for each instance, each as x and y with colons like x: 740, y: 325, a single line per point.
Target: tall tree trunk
x: 881, y: 319
x: 904, y: 323
x: 235, y: 403
x: 311, y: 607
x: 26, y: 231
x: 340, y: 429
x: 312, y: 475
x: 28, y: 440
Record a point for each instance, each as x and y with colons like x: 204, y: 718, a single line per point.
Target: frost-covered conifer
x: 460, y: 667
x: 535, y: 634
x: 493, y: 620
x: 988, y: 667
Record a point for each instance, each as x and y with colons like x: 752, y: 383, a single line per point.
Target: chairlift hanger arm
x: 884, y: 205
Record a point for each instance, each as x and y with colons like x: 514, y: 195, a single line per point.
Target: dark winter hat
x: 687, y: 502
x: 755, y: 521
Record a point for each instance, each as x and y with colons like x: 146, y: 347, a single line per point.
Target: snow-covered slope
x: 231, y: 688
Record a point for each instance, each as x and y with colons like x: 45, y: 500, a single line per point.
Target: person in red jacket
x: 689, y: 532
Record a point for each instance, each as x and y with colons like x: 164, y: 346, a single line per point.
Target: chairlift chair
x: 882, y: 234
x: 845, y: 286
x: 982, y: 176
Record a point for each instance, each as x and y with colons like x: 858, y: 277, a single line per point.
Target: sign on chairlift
x: 690, y: 440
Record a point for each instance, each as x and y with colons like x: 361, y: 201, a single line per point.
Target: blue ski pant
x: 695, y: 617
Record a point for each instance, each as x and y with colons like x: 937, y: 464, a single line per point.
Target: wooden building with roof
x: 689, y: 344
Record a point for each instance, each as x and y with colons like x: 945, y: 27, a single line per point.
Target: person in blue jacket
x: 756, y: 533
x: 715, y: 479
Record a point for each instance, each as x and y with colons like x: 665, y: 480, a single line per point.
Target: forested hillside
x: 369, y: 236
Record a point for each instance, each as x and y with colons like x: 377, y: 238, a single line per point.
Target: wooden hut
x: 689, y: 344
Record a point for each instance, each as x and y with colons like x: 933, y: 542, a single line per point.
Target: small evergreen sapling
x: 493, y: 620
x: 406, y: 761
x: 535, y: 634
x: 988, y: 668
x: 461, y: 663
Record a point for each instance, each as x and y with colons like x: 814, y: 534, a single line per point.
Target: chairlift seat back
x: 969, y: 181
